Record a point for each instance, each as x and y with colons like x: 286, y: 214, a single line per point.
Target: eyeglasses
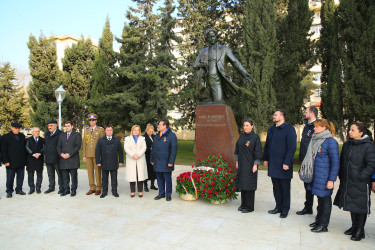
x: 91, y: 120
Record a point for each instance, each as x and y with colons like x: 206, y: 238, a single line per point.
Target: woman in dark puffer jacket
x: 357, y: 166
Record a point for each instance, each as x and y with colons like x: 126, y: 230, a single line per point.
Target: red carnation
x: 213, y: 165
x: 230, y: 182
x: 221, y: 189
x: 222, y: 180
x: 200, y: 187
x: 209, y: 196
x: 204, y: 174
x: 202, y: 195
x: 182, y: 179
x: 226, y: 191
x: 219, y: 162
x: 192, y: 166
x: 209, y: 160
x: 226, y: 185
x: 205, y: 156
x: 234, y: 190
x: 217, y: 173
x: 209, y: 191
x: 219, y: 169
x: 216, y: 192
x: 207, y: 165
x: 212, y: 154
x: 223, y: 159
x: 200, y: 159
x: 207, y: 178
x: 189, y: 180
x: 233, y: 178
x: 206, y: 185
x: 209, y: 173
x: 218, y: 155
x: 228, y: 164
x: 212, y: 183
x: 202, y: 180
x: 212, y: 187
x: 226, y: 175
x: 230, y: 196
x: 214, y: 160
x: 204, y: 190
x: 214, y: 178
x: 201, y: 163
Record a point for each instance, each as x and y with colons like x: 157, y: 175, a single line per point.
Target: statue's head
x: 211, y: 36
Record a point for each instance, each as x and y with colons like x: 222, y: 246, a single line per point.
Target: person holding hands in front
x: 136, y: 166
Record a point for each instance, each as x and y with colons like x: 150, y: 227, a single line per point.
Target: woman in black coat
x: 247, y: 154
x: 357, y: 166
x: 149, y: 136
x: 35, y: 160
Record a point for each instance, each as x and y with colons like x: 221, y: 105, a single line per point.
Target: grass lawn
x: 185, y: 155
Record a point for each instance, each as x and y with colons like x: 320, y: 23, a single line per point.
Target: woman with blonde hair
x: 136, y: 166
x: 323, y: 154
x: 149, y: 137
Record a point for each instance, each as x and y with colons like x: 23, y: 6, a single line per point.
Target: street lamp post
x: 60, y: 95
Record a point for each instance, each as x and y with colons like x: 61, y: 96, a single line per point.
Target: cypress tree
x: 329, y: 51
x: 258, y: 56
x: 77, y: 67
x: 104, y: 81
x: 294, y: 59
x: 356, y: 24
x: 11, y: 98
x: 46, y: 78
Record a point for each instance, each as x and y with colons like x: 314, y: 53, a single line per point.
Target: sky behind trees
x: 19, y: 19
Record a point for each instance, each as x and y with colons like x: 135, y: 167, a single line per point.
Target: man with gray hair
x: 35, y: 160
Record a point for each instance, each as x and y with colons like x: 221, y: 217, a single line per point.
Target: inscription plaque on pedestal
x: 216, y: 132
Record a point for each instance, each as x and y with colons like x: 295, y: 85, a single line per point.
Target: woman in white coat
x: 136, y: 166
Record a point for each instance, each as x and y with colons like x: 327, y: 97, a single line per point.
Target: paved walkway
x: 41, y: 221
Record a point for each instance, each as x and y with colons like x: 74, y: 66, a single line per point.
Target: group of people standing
x: 319, y: 151
x: 148, y: 157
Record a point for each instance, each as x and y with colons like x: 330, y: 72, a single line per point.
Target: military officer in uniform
x: 91, y: 137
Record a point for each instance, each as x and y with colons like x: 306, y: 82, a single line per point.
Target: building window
x: 318, y: 92
x: 317, y: 77
x: 316, y: 29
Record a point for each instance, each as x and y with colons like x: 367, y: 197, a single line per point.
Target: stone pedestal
x: 216, y: 132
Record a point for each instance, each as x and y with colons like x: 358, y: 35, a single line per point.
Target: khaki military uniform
x: 88, y: 145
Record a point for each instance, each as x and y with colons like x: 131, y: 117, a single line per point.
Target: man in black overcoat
x: 311, y: 114
x: 68, y: 149
x: 35, y: 160
x: 52, y: 158
x: 109, y: 155
x: 14, y: 158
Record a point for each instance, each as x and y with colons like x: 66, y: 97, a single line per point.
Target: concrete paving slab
x: 48, y: 221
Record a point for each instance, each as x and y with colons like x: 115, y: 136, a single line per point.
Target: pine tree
x: 332, y: 85
x: 294, y: 60
x: 46, y: 78
x: 104, y: 81
x: 77, y: 67
x: 258, y: 56
x: 11, y: 98
x: 356, y: 24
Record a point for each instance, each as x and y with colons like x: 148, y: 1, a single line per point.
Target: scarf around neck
x: 316, y: 141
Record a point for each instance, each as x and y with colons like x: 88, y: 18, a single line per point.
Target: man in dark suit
x: 68, y: 148
x: 311, y: 114
x: 35, y: 160
x: 278, y: 156
x: 14, y: 158
x: 109, y: 156
x: 163, y: 155
x: 52, y: 158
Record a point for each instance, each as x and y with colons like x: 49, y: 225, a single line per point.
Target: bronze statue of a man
x: 211, y: 65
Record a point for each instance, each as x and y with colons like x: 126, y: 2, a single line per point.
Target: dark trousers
x: 324, y: 210
x: 309, y: 198
x: 139, y: 186
x: 105, y: 175
x: 11, y: 172
x: 281, y: 192
x: 30, y: 179
x: 247, y: 200
x: 51, y: 168
x: 66, y: 179
x: 164, y: 180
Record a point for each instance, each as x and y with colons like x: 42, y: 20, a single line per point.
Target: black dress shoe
x: 50, y: 191
x: 38, y: 191
x: 275, y: 211
x: 304, y: 211
x: 60, y: 192
x: 65, y: 193
x: 103, y: 195
x: 73, y: 193
x: 314, y: 224
x: 240, y: 208
x: 319, y: 229
x: 115, y: 194
x: 169, y: 198
x: 31, y: 191
x: 9, y: 195
x: 350, y: 231
x: 146, y: 189
x: 159, y: 197
x: 21, y: 192
x: 283, y: 215
x: 359, y: 235
x: 246, y: 210
x: 154, y: 188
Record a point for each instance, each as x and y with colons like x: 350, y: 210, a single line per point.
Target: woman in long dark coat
x: 248, y: 154
x: 149, y: 136
x: 357, y: 166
